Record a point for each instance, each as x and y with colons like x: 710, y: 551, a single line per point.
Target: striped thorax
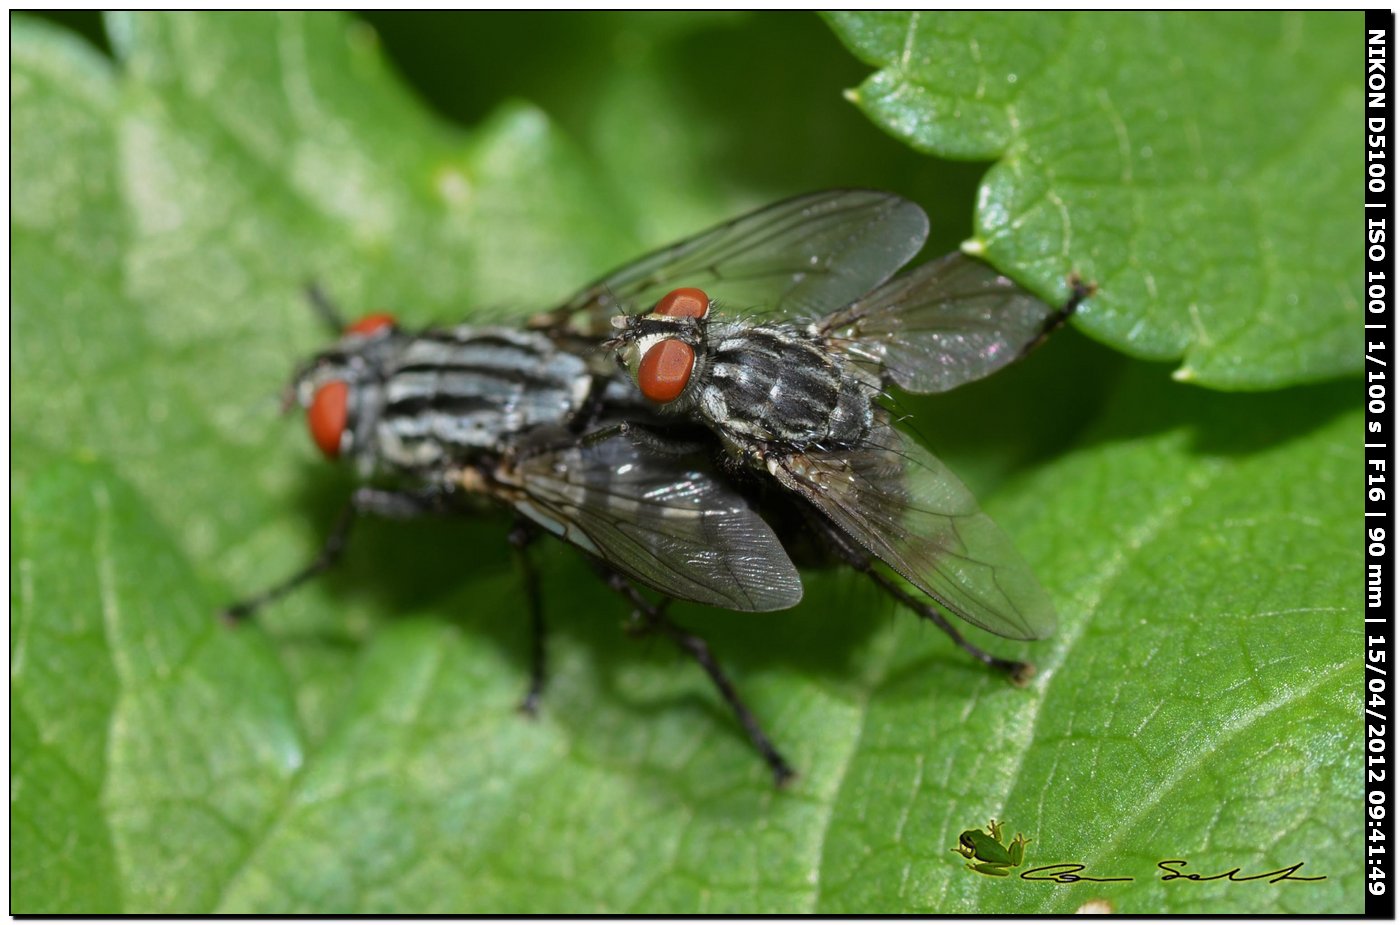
x: 399, y: 403
x: 765, y: 383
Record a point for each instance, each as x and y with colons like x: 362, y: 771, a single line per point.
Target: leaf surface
x: 1197, y: 166
x: 358, y: 750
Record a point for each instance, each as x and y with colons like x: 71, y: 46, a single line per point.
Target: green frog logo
x: 987, y: 855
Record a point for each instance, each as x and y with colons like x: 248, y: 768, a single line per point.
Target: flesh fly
x: 781, y: 332
x: 446, y: 421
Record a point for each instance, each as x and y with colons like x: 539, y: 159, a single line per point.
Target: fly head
x: 664, y: 350
x: 341, y: 389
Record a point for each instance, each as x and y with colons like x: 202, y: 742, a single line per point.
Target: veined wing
x: 944, y: 323
x: 802, y: 257
x: 904, y: 506
x: 667, y: 521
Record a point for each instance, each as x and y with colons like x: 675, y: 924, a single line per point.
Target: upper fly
x: 782, y: 329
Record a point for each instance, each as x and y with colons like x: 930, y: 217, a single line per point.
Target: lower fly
x: 434, y: 421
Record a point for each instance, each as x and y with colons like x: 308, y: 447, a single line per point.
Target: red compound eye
x: 665, y: 370
x: 327, y: 416
x: 371, y: 324
x: 683, y: 303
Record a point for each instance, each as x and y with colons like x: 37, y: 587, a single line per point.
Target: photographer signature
x: 1172, y: 869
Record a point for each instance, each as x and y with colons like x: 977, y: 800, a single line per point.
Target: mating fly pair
x: 758, y: 393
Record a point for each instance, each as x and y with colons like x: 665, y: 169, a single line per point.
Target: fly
x: 789, y: 373
x: 522, y: 419
x: 439, y: 420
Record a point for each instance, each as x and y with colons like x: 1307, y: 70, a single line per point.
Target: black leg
x: 571, y: 441
x: 1079, y: 291
x: 654, y: 620
x: 325, y: 309
x: 521, y: 536
x: 653, y: 441
x: 1018, y: 672
x: 397, y: 505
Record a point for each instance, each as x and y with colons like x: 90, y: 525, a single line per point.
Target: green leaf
x: 1198, y: 700
x: 1198, y: 166
x: 358, y: 749
x: 151, y: 747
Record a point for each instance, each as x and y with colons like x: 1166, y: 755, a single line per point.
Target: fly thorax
x: 457, y: 394
x: 772, y: 383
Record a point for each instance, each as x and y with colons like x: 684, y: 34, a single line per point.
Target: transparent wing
x: 904, y: 506
x: 802, y: 257
x: 668, y: 522
x: 947, y: 322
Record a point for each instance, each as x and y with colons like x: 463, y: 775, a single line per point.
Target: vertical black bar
x: 1378, y: 848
